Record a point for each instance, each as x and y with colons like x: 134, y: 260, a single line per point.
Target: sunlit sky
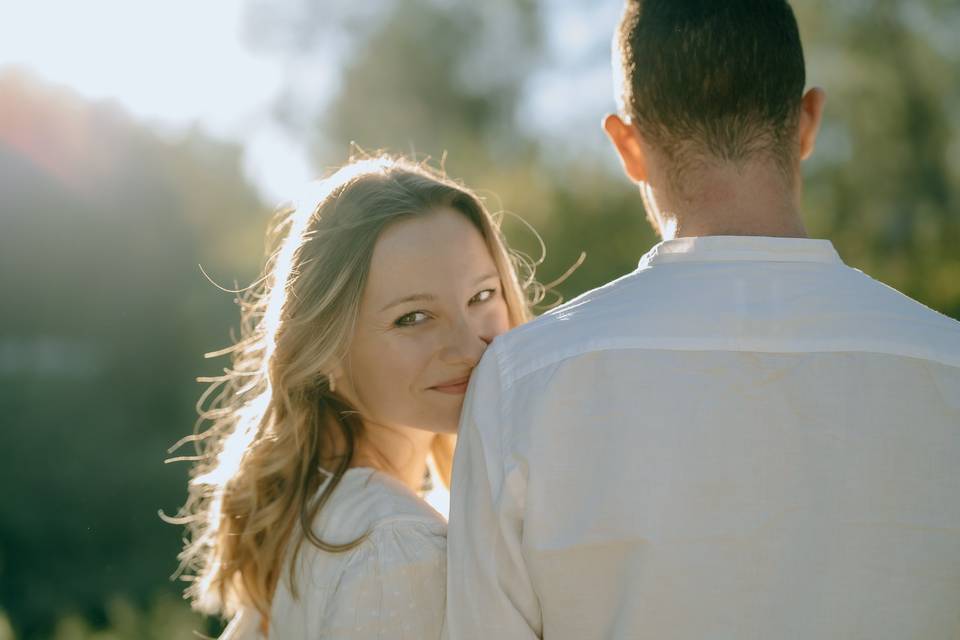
x: 182, y: 63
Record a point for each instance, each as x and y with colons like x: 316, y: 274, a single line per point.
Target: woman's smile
x: 453, y: 387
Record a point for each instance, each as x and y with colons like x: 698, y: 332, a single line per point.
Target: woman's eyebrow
x: 416, y: 297
x: 429, y: 297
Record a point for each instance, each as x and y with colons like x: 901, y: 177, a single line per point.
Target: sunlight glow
x: 178, y: 64
x: 235, y: 445
x: 175, y: 64
x: 175, y: 61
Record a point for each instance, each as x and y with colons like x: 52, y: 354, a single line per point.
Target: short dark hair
x: 718, y: 77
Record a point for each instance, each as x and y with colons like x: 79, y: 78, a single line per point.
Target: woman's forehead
x: 440, y: 249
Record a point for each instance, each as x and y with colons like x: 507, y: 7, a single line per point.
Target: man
x: 744, y: 438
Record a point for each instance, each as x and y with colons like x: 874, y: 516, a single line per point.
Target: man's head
x: 711, y: 84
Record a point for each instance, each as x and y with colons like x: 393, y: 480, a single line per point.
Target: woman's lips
x: 454, y: 387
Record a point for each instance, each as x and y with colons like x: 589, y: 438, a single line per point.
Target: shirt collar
x: 741, y: 249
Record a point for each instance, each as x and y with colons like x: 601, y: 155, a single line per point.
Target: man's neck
x: 729, y: 224
x: 754, y: 199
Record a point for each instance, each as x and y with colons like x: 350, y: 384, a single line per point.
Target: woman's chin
x: 448, y: 426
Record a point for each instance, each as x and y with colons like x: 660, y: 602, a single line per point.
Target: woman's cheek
x: 403, y: 359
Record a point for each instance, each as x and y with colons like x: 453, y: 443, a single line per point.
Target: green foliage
x: 884, y: 183
x: 102, y: 235
x: 6, y: 629
x: 164, y: 618
x: 430, y: 77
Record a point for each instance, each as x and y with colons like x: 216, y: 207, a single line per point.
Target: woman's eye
x: 410, y: 319
x: 483, y: 296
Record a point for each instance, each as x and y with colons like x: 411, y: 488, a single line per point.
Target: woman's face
x: 432, y: 303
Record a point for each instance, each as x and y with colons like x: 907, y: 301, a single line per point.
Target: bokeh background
x: 139, y: 140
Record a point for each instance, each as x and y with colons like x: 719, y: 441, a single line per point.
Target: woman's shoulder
x: 392, y: 524
x: 366, y: 500
x: 395, y: 575
x: 394, y: 548
x: 393, y: 584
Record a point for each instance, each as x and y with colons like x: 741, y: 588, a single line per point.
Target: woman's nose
x: 467, y: 342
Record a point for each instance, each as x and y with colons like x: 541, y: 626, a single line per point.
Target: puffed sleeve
x: 393, y: 586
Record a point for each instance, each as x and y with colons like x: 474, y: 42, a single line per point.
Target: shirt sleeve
x: 489, y: 591
x: 392, y: 587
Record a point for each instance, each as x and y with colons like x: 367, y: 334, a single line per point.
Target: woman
x: 349, y: 375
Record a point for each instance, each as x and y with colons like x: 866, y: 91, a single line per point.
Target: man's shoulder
x: 569, y: 328
x: 815, y: 309
x: 894, y: 318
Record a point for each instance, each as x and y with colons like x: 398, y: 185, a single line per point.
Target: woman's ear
x: 336, y: 377
x: 627, y: 142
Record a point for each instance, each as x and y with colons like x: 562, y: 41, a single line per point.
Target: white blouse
x: 390, y: 586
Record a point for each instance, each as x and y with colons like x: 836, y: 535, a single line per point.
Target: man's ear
x: 811, y: 114
x: 626, y: 140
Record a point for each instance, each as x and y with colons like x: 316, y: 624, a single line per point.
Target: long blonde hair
x: 272, y: 419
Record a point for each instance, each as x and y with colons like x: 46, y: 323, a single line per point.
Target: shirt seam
x: 409, y: 520
x: 520, y: 374
x: 502, y: 426
x: 749, y: 249
x: 502, y: 461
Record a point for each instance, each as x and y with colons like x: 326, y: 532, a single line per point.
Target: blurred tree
x: 166, y: 617
x: 884, y: 183
x: 435, y: 77
x: 106, y: 320
x: 418, y: 75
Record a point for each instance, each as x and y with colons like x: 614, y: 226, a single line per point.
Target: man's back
x: 742, y: 439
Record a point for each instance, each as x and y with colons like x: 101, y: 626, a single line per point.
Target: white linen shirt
x: 391, y: 586
x: 742, y: 439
